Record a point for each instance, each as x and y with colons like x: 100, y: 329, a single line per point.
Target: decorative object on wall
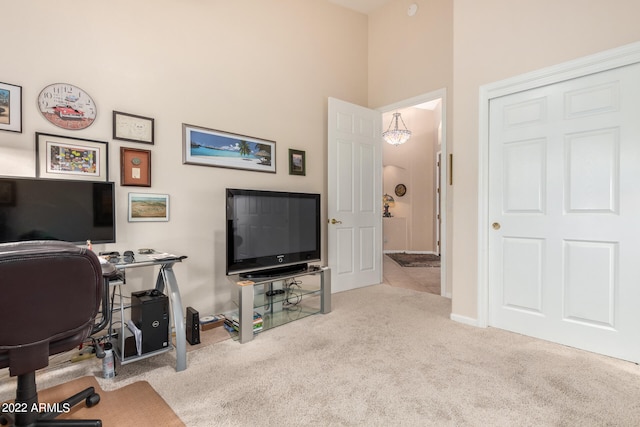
x: 401, y: 190
x: 145, y: 207
x: 67, y: 106
x: 135, y: 167
x: 297, y: 163
x: 10, y: 107
x: 63, y: 157
x: 209, y: 147
x: 396, y: 136
x: 412, y: 9
x: 387, y: 201
x: 129, y: 127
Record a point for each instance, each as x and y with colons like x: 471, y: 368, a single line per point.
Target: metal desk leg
x: 168, y: 278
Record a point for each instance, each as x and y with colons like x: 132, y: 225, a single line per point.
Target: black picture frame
x: 10, y: 107
x: 297, y: 162
x: 64, y: 157
x: 133, y: 128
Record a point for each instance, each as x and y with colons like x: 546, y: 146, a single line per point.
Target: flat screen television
x: 47, y: 209
x: 271, y: 233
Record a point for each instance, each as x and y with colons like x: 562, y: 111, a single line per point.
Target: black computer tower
x: 150, y: 313
x: 193, y: 326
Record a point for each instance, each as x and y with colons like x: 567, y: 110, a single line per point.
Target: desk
x: 166, y: 278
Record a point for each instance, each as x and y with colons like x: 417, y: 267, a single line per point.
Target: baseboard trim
x: 464, y: 319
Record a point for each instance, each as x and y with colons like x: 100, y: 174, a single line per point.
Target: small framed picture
x: 63, y: 157
x: 209, y: 147
x: 10, y: 107
x: 297, y: 162
x: 129, y: 127
x: 135, y: 167
x: 144, y: 207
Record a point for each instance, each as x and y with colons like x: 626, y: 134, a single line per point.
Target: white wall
x: 262, y: 68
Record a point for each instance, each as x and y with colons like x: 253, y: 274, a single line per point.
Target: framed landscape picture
x: 297, y: 162
x: 63, y: 157
x: 10, y: 107
x: 209, y: 147
x: 148, y: 207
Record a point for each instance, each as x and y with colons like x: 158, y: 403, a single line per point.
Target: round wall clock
x: 401, y: 190
x: 67, y: 106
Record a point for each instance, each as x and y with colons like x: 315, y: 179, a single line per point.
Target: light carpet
x: 387, y: 356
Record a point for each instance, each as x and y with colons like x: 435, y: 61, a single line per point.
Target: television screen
x: 271, y: 232
x: 46, y: 209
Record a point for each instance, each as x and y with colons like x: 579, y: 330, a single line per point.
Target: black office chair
x: 50, y: 295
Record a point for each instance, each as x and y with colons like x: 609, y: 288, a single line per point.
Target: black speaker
x: 193, y: 326
x: 150, y: 313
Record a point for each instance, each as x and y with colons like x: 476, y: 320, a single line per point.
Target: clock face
x: 401, y: 190
x: 67, y: 106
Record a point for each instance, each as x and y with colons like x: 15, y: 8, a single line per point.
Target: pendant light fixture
x: 396, y: 136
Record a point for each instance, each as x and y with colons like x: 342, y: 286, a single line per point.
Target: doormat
x: 415, y: 260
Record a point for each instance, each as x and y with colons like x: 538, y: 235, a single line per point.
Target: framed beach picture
x: 63, y: 157
x: 10, y: 107
x: 148, y: 207
x: 209, y: 147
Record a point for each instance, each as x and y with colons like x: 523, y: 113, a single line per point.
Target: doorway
x: 412, y: 178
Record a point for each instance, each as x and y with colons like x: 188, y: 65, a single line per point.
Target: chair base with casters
x: 52, y: 293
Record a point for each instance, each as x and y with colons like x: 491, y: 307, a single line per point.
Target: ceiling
x: 362, y: 6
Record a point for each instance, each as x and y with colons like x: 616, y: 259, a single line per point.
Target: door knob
x: 496, y: 225
x: 335, y: 221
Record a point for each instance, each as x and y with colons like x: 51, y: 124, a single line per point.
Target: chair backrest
x: 50, y: 294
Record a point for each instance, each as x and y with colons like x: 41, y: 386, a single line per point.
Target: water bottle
x: 108, y: 362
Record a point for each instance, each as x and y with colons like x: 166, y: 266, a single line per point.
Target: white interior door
x: 564, y: 212
x: 354, y: 202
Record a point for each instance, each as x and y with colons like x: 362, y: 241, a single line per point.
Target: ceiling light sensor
x: 412, y: 10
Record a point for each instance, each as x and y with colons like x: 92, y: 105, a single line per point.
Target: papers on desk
x: 137, y: 333
x: 162, y: 255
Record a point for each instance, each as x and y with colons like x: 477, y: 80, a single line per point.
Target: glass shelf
x: 261, y: 300
x: 306, y: 307
x: 299, y: 298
